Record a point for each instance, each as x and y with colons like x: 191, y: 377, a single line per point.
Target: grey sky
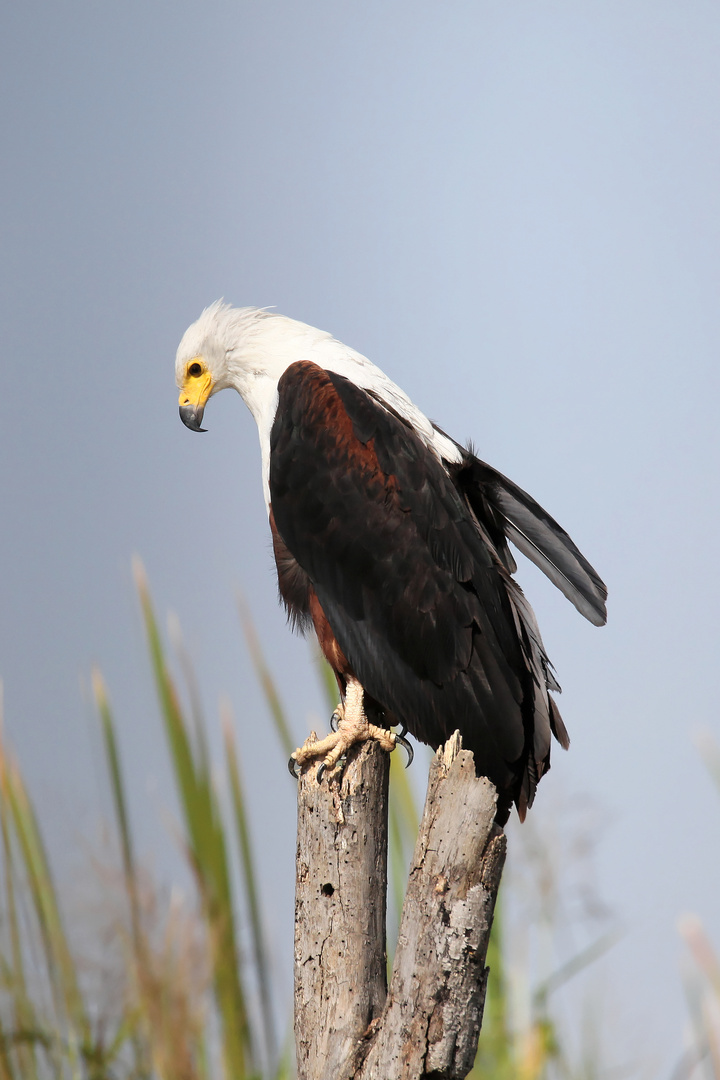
x: 510, y: 207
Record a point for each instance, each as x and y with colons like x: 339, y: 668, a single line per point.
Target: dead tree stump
x: 347, y: 1025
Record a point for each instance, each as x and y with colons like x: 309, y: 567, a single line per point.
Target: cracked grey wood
x: 431, y: 1018
x: 340, y: 888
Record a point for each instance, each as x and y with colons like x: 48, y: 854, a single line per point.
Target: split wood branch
x: 347, y: 1026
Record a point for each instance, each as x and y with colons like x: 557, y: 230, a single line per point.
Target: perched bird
x: 391, y: 541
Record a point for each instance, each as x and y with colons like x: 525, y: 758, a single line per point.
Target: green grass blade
x: 126, y: 1029
x: 197, y: 725
x: 286, y: 1065
x: 6, y: 1069
x: 247, y: 862
x: 403, y: 824
x: 265, y: 678
x: 396, y: 872
x: 117, y: 789
x: 495, y: 1056
x: 193, y: 788
x: 327, y: 679
x: 574, y: 966
x: 58, y: 958
x: 24, y: 1015
x: 208, y: 852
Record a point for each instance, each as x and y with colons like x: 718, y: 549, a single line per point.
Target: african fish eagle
x: 391, y: 541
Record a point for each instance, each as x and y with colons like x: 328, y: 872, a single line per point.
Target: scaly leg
x: 353, y: 727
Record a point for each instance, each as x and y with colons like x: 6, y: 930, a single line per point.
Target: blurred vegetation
x: 186, y: 1003
x: 701, y: 973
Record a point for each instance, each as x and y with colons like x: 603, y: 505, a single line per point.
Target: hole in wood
x: 327, y: 890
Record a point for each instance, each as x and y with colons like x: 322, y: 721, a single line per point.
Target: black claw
x: 342, y: 762
x: 293, y: 767
x: 334, y: 721
x: 406, y: 746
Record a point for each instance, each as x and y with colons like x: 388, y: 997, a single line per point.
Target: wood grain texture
x: 341, y: 885
x: 433, y: 1014
x: 428, y: 1025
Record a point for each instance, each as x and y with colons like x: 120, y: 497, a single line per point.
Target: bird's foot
x: 352, y: 727
x: 336, y: 745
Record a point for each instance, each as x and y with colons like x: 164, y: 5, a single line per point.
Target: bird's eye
x: 195, y: 370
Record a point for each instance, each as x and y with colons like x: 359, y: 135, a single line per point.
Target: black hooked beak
x: 191, y: 416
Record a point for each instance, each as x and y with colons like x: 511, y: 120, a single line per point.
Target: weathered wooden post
x: 347, y: 1025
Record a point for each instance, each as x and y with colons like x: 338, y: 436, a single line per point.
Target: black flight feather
x: 534, y: 532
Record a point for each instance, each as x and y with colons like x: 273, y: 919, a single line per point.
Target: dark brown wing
x: 429, y: 619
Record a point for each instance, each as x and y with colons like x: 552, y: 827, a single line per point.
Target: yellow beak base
x: 196, y: 389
